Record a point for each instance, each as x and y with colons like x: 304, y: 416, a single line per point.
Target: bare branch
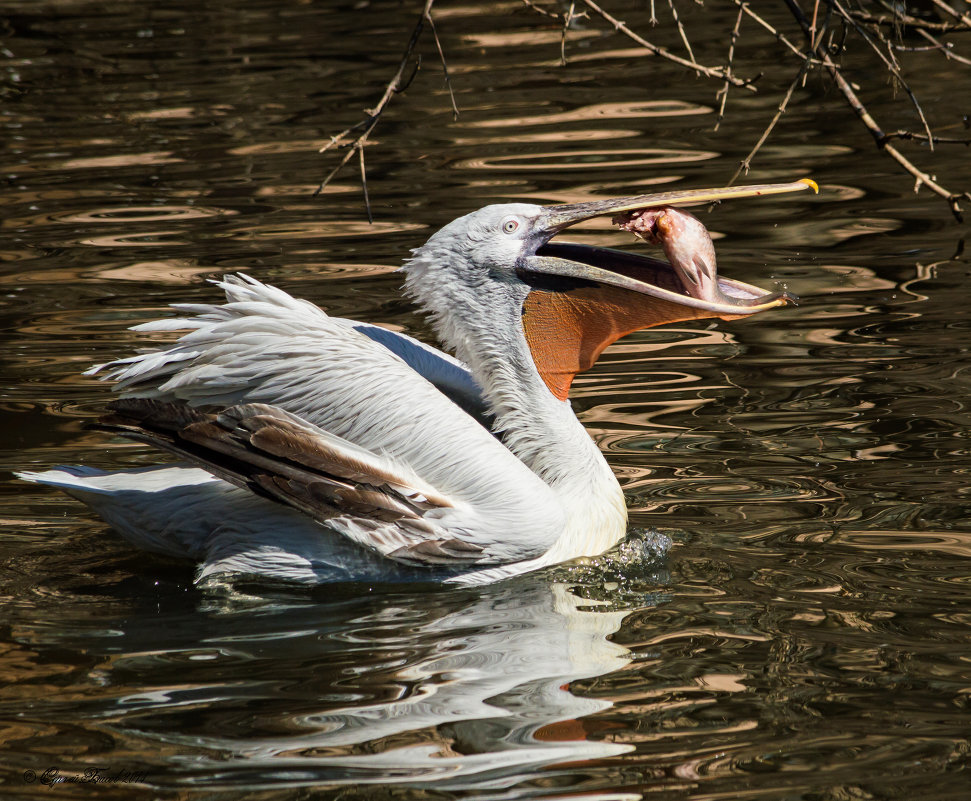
x: 892, y: 66
x: 881, y: 140
x: 684, y: 36
x: 896, y: 19
x: 564, y: 19
x: 823, y: 41
x: 711, y: 72
x: 337, y: 169
x: 945, y: 49
x: 367, y: 199
x: 393, y: 87
x: 963, y: 18
x: 723, y: 94
x: 540, y: 10
x: 920, y: 177
x: 938, y: 140
x: 781, y: 37
x: 567, y: 19
x: 796, y: 12
x: 814, y: 32
x: 747, y: 161
x: 441, y: 55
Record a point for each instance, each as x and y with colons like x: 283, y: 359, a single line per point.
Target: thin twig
x: 684, y: 36
x: 441, y: 55
x: 567, y: 19
x: 367, y: 200
x: 781, y: 37
x: 746, y: 163
x: 728, y: 66
x: 540, y: 10
x: 920, y: 177
x: 944, y: 48
x: 938, y: 140
x: 900, y: 48
x: 711, y: 72
x: 333, y: 172
x: 800, y: 17
x: 393, y: 87
x: 896, y: 19
x: 964, y: 19
x: 813, y: 31
x: 892, y: 66
x: 881, y: 140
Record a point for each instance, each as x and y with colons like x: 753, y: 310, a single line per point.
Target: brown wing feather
x: 281, y: 457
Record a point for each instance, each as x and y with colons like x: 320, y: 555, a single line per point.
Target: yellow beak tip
x: 810, y: 183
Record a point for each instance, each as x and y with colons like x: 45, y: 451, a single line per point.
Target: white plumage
x: 326, y: 449
x: 264, y: 346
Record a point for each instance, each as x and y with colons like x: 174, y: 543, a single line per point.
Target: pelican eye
x: 510, y: 225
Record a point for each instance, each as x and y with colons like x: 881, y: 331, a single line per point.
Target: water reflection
x: 106, y: 162
x: 130, y: 214
x: 446, y: 689
x: 613, y: 158
x: 642, y: 109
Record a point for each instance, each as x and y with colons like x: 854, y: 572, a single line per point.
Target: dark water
x: 808, y: 636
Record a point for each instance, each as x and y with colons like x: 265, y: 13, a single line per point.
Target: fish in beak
x: 583, y: 298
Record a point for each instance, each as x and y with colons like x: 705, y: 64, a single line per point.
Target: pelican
x: 316, y: 449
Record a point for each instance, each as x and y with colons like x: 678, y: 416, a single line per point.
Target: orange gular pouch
x: 569, y: 322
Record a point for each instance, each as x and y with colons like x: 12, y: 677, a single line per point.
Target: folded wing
x: 275, y: 454
x: 257, y: 321
x: 319, y: 415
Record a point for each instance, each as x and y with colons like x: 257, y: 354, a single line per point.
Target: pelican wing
x: 254, y: 314
x: 325, y: 418
x: 446, y: 372
x: 279, y: 456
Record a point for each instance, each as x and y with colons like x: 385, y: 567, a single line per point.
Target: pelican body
x: 315, y: 449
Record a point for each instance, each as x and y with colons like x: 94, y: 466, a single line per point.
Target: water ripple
x: 599, y: 111
x: 586, y: 159
x: 733, y: 489
x: 130, y: 214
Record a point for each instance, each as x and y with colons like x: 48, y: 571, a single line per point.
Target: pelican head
x: 497, y: 269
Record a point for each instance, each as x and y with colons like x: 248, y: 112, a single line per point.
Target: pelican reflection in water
x: 480, y: 689
x: 318, y: 449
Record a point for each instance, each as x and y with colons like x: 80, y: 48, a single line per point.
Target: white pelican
x: 318, y: 449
